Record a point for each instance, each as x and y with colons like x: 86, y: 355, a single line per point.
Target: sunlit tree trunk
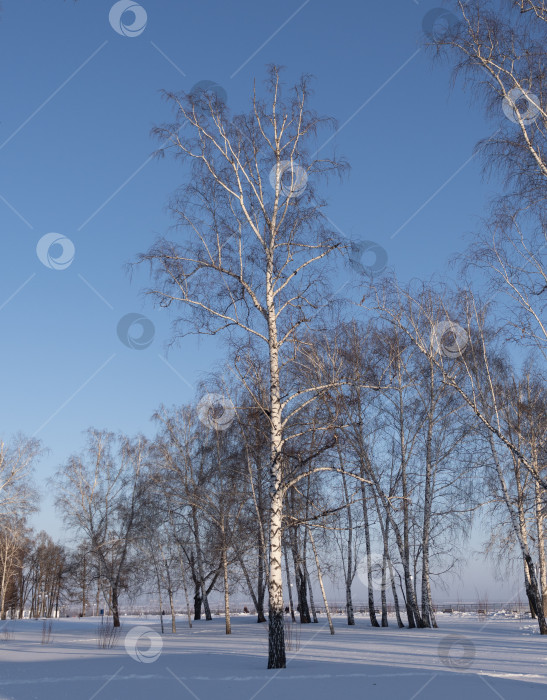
x: 226, y: 591
x: 428, y: 502
x: 320, y: 577
x: 518, y: 524
x: 184, y: 586
x: 312, y: 604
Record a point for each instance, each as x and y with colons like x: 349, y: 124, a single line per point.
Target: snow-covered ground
x: 498, y: 657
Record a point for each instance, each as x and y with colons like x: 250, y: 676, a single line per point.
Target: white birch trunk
x: 226, y: 591
x: 320, y: 577
x: 518, y: 528
x: 276, y: 634
x: 185, y: 587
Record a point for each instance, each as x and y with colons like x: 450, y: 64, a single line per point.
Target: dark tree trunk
x: 371, y: 611
x: 206, y: 608
x: 258, y: 601
x: 261, y: 583
x: 385, y: 622
x: 115, y: 608
x: 532, y: 591
x: 276, y: 640
x: 197, y: 602
x: 300, y: 581
x: 305, y: 617
x: 261, y: 617
x: 409, y: 613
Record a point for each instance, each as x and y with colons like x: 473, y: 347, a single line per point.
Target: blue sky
x: 75, y: 146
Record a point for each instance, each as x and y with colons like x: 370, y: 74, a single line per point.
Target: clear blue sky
x: 78, y: 104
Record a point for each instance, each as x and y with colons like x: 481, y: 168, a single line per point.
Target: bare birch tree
x: 99, y: 494
x: 501, y: 53
x: 18, y: 457
x: 254, y: 250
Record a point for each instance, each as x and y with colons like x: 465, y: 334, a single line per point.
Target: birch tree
x: 500, y: 51
x: 457, y: 332
x: 501, y: 55
x: 10, y: 560
x: 252, y: 259
x: 18, y: 457
x: 520, y: 523
x: 469, y: 356
x: 100, y: 493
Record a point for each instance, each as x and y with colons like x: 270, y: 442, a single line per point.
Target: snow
x: 501, y: 656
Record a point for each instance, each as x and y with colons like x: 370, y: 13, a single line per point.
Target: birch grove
x: 344, y: 443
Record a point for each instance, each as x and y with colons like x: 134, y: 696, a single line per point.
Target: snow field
x: 498, y: 657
